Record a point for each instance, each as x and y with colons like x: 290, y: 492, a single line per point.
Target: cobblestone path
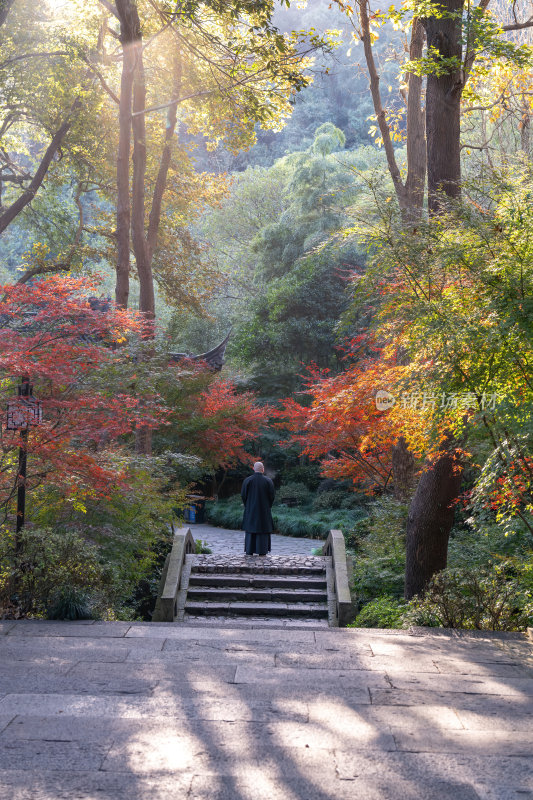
x: 221, y: 540
x: 148, y: 711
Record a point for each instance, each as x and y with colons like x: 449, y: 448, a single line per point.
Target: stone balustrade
x: 166, y: 604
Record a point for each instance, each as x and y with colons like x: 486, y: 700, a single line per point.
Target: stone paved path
x: 222, y: 540
x: 148, y: 711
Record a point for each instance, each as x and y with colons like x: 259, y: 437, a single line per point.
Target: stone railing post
x: 183, y: 545
x: 335, y: 547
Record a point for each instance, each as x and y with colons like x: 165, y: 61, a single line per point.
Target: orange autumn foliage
x: 344, y: 427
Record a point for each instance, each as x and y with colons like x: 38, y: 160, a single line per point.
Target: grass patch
x: 382, y: 612
x: 300, y: 522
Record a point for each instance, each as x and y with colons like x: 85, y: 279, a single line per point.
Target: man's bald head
x: 259, y: 466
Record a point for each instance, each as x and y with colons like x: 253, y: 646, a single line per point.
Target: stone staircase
x: 254, y: 589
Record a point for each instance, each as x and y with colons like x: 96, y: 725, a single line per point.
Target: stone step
x: 218, y: 563
x: 258, y: 581
x: 257, y: 609
x: 246, y: 594
x: 273, y: 623
x: 253, y: 569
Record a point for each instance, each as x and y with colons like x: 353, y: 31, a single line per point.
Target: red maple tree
x: 230, y: 420
x: 52, y: 337
x: 341, y: 424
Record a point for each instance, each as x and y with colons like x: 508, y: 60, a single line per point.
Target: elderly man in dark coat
x: 257, y: 495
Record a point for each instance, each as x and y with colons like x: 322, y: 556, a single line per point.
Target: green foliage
x: 202, y: 547
x: 54, y: 572
x: 379, y: 543
x: 293, y: 494
x: 127, y: 534
x: 295, y: 522
x: 497, y: 597
x: 488, y: 583
x: 69, y: 602
x: 456, y: 300
x: 338, y: 93
x: 382, y: 612
x: 309, y: 474
x: 225, y: 513
x: 331, y: 499
x: 476, y: 543
x: 299, y: 522
x: 354, y: 500
x: 287, y: 277
x: 328, y: 139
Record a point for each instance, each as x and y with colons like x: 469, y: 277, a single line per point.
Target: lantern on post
x: 23, y: 412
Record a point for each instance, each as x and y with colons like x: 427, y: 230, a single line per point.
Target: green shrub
x: 379, y: 544
x: 293, y: 494
x: 495, y: 597
x: 476, y: 543
x: 292, y: 522
x: 128, y: 530
x: 355, y: 500
x: 54, y: 573
x: 331, y: 499
x: 69, y: 602
x: 225, y: 513
x: 382, y: 612
x: 308, y: 474
x: 287, y: 521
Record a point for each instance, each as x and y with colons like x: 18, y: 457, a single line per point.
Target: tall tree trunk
x: 525, y: 129
x: 130, y: 216
x: 5, y: 8
x: 131, y: 222
x: 403, y: 470
x: 140, y: 245
x: 431, y: 512
x: 430, y: 519
x: 144, y: 244
x: 164, y: 164
x: 143, y: 261
x: 122, y: 285
x: 443, y: 105
x: 410, y: 195
x: 416, y: 128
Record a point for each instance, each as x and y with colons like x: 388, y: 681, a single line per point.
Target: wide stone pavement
x: 147, y: 711
x: 231, y: 542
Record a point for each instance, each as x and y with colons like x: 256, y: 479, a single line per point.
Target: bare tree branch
x: 376, y: 98
x: 25, y: 56
x: 172, y: 103
x: 43, y: 269
x: 110, y: 7
x: 28, y: 194
x: 519, y: 26
x: 103, y: 82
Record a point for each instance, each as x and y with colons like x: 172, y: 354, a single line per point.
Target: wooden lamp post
x: 23, y: 412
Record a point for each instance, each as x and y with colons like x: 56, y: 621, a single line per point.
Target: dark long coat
x: 257, y: 495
